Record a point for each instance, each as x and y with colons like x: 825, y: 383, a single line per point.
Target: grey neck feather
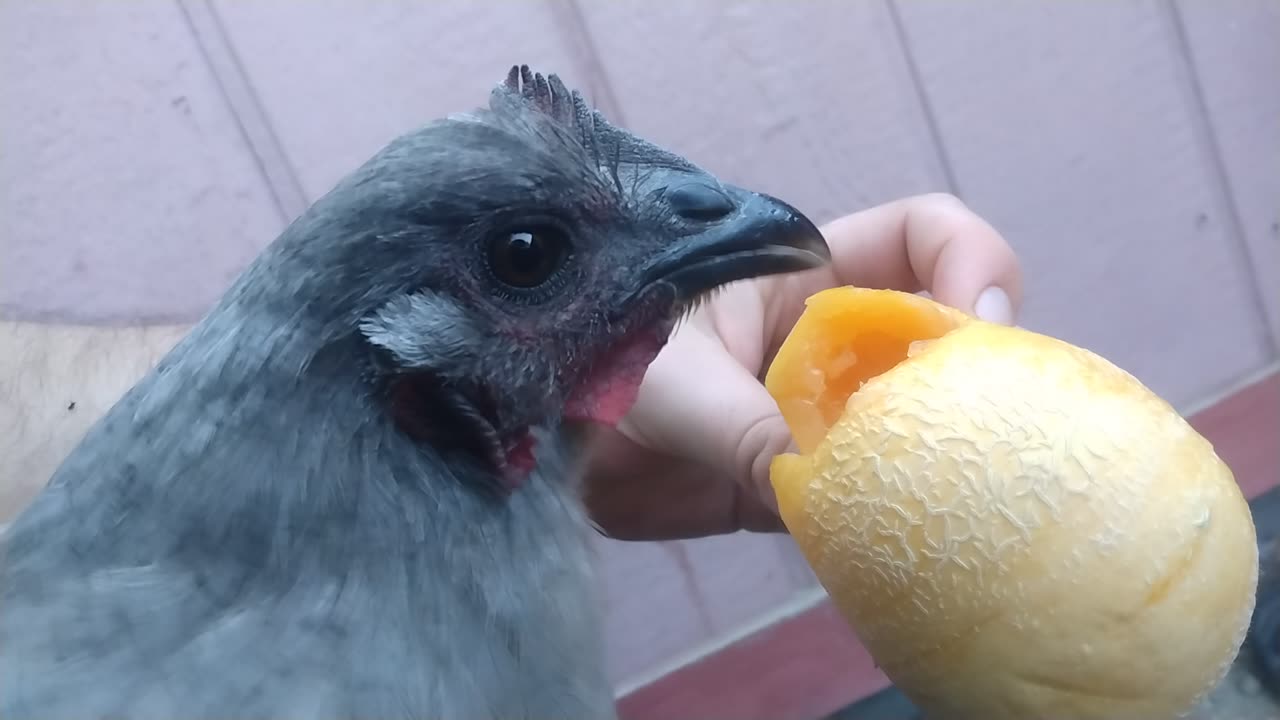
x: 296, y: 508
x: 272, y: 452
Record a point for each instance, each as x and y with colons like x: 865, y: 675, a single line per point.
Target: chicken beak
x: 744, y: 235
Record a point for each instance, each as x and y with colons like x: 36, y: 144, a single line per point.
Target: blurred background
x: 1129, y: 150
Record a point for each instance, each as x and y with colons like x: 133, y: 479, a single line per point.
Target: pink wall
x: 1130, y: 151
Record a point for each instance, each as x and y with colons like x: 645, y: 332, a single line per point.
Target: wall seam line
x: 927, y: 110
x: 245, y: 106
x: 1201, y: 122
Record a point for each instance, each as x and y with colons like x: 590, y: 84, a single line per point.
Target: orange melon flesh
x: 845, y: 338
x: 1014, y: 527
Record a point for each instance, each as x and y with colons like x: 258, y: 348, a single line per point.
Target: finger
x: 927, y: 242
x: 636, y: 494
x: 699, y: 402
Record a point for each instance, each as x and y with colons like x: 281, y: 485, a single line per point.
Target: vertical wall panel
x: 126, y: 189
x: 742, y: 576
x: 339, y: 80
x: 807, y: 100
x: 653, y: 612
x: 1235, y: 50
x: 1070, y: 126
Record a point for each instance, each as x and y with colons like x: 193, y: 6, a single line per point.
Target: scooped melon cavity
x: 1014, y: 527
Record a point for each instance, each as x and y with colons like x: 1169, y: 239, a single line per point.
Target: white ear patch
x: 423, y: 330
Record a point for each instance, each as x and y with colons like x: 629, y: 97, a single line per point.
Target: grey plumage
x: 313, y: 507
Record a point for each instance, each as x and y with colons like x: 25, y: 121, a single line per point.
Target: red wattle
x: 519, y: 462
x: 609, y: 391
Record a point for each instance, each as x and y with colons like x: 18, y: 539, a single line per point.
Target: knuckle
x: 942, y: 202
x: 763, y: 438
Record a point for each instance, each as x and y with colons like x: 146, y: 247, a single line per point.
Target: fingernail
x: 993, y: 306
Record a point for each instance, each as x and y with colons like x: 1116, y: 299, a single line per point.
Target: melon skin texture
x: 1013, y: 526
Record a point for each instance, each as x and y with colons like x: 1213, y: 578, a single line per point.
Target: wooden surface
x: 1130, y: 150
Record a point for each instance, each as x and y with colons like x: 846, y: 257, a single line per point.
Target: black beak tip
x: 785, y: 234
x: 761, y: 236
x: 802, y: 233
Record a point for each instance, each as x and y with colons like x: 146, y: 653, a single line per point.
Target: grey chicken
x: 350, y: 491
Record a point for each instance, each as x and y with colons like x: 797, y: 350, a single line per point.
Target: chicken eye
x: 528, y: 258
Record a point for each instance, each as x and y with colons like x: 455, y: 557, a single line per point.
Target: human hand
x: 692, y: 456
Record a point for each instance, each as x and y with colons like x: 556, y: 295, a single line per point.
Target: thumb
x: 698, y: 402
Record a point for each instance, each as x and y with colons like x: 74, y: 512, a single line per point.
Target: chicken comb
x: 549, y: 95
x: 605, y: 142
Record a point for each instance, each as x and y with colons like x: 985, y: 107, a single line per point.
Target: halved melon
x: 1015, y: 527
